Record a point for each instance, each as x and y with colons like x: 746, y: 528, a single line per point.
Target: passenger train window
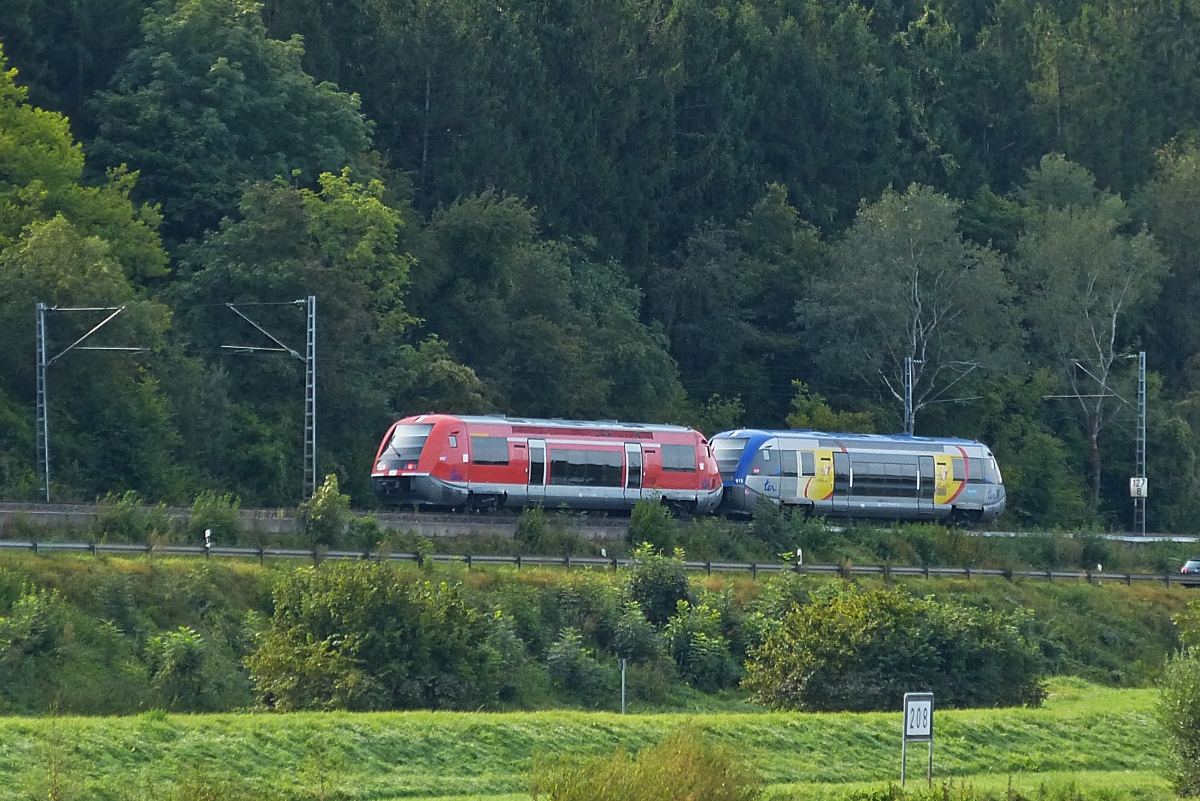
x: 808, y: 465
x: 489, y: 450
x: 679, y: 458
x: 960, y: 469
x: 975, y: 469
x: 453, y: 441
x: 764, y: 463
x: 787, y: 463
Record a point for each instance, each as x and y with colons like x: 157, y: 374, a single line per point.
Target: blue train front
x: 859, y: 475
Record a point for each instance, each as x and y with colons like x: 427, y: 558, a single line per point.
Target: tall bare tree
x: 905, y: 285
x: 1080, y: 280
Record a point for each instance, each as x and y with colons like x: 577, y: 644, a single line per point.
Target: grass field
x: 1097, y: 737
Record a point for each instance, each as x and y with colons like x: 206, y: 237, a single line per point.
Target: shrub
x: 658, y: 583
x: 218, y: 513
x: 540, y: 533
x: 635, y: 638
x: 1179, y: 714
x: 651, y: 522
x: 575, y: 670
x: 364, y: 534
x: 850, y: 649
x: 326, y: 513
x: 694, y: 640
x: 349, y: 635
x: 125, y: 518
x: 684, y: 767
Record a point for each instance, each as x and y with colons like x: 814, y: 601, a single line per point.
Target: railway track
x: 428, y: 524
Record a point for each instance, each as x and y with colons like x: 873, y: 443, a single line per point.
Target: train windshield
x: 727, y: 452
x: 407, y: 442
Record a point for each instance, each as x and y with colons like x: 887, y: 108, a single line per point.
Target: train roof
x: 864, y: 438
x: 597, y: 425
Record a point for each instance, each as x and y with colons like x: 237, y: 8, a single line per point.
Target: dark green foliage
x: 694, y: 640
x: 208, y: 102
x: 353, y: 636
x: 215, y: 513
x: 854, y: 649
x: 1179, y: 715
x: 576, y: 672
x: 658, y: 583
x: 651, y: 522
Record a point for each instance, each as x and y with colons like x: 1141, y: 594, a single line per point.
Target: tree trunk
x: 1094, y: 458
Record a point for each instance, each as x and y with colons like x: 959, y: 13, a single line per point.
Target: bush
x: 364, y: 534
x: 651, y: 522
x: 635, y: 638
x: 125, y: 518
x: 218, y: 513
x: 1179, y: 713
x: 850, y: 649
x: 658, y: 583
x: 326, y: 514
x: 575, y: 670
x: 694, y: 641
x: 682, y: 768
x: 349, y: 635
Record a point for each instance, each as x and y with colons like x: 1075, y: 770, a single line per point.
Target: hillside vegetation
x: 90, y: 635
x: 710, y: 213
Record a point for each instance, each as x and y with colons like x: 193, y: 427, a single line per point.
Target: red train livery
x: 494, y: 461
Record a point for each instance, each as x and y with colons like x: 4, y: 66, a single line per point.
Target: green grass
x: 1082, y: 730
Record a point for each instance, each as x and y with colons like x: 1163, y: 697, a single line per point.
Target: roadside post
x: 623, y: 663
x: 918, y: 728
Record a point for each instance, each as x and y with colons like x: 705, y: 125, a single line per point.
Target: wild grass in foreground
x: 1082, y: 727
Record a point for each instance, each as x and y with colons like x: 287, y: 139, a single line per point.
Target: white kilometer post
x: 918, y: 727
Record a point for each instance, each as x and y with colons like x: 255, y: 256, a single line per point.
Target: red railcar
x: 494, y: 461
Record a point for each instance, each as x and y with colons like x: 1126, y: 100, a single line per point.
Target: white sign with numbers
x: 918, y: 727
x: 1139, y: 487
x: 918, y: 717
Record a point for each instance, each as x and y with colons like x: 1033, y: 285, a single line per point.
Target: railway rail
x: 432, y: 524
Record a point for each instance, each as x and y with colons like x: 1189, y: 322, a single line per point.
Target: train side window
x: 764, y: 463
x: 453, y: 441
x: 787, y: 463
x: 558, y: 467
x: 490, y: 450
x: 975, y: 470
x: 960, y: 469
x: 808, y: 464
x: 679, y: 458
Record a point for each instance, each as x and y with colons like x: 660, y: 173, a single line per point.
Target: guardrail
x: 317, y: 555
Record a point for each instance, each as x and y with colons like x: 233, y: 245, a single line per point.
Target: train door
x: 843, y: 481
x: 537, y: 471
x: 633, y: 472
x: 926, y: 485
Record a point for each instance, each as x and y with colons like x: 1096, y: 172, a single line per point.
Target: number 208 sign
x: 918, y: 717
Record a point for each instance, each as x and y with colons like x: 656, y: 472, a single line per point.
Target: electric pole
x: 43, y: 396
x: 1139, y: 498
x: 309, y: 479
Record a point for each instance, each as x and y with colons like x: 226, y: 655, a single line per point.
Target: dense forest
x: 710, y: 213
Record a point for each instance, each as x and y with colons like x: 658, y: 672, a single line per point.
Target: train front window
x: 405, y: 446
x: 728, y: 451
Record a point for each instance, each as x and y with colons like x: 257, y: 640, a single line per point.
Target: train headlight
x: 380, y: 466
x: 411, y: 466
